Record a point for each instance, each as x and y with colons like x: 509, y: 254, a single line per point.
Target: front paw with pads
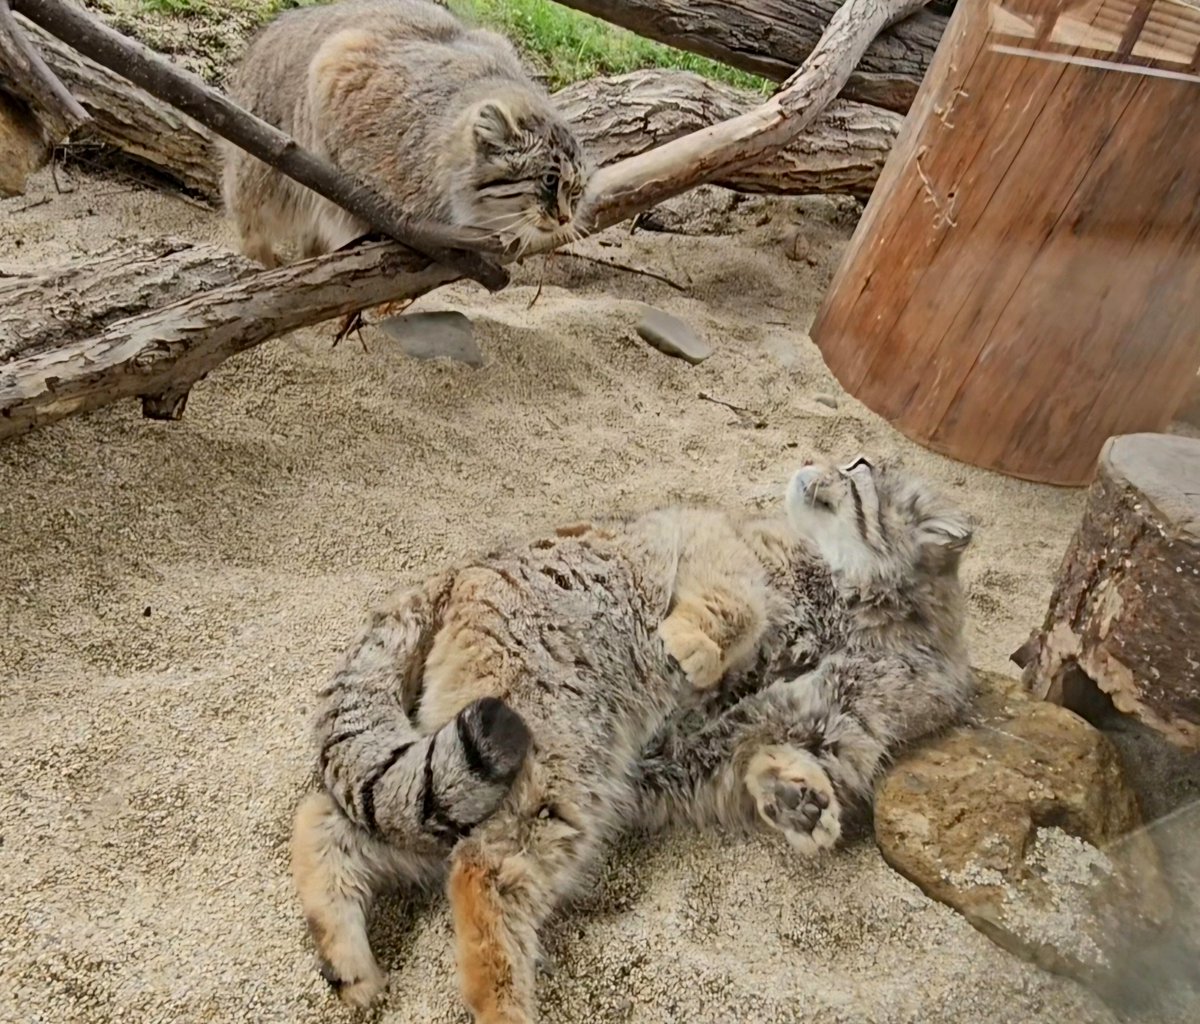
x: 794, y: 795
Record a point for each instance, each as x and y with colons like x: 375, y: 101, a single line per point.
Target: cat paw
x: 793, y: 794
x: 365, y: 986
x: 697, y: 654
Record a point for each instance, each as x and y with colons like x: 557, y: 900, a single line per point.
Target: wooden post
x: 1124, y: 618
x: 1025, y: 282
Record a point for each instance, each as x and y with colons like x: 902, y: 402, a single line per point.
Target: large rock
x: 1023, y: 823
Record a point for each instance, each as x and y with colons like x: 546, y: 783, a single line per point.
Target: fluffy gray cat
x: 441, y: 119
x: 495, y: 721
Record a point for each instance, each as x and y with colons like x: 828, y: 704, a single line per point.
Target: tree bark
x: 617, y: 117
x: 1124, y: 617
x: 129, y: 119
x: 773, y: 37
x: 458, y: 248
x: 623, y: 189
x: 50, y: 308
x: 162, y: 353
x: 23, y: 146
x: 842, y: 152
x: 25, y: 75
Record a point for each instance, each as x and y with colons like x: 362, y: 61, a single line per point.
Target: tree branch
x: 623, y: 189
x: 773, y: 37
x: 26, y: 76
x: 158, y: 76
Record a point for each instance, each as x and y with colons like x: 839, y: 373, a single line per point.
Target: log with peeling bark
x: 619, y: 117
x: 616, y: 117
x: 132, y: 121
x: 45, y: 309
x: 1124, y: 618
x: 161, y: 354
x: 25, y: 75
x: 773, y: 37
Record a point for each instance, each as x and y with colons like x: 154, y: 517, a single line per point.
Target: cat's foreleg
x: 711, y: 630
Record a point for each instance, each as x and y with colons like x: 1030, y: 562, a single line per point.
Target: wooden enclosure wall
x: 1025, y: 281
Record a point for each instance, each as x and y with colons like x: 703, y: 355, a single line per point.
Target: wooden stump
x: 1124, y: 617
x: 1024, y: 283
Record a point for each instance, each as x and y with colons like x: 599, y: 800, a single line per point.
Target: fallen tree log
x: 159, y: 355
x: 25, y: 75
x: 132, y: 121
x: 1124, y: 618
x: 619, y: 117
x: 773, y: 37
x: 616, y: 117
x: 49, y: 308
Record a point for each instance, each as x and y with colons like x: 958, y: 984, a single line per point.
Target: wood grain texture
x: 842, y: 152
x: 132, y: 121
x: 48, y: 308
x: 773, y: 37
x: 1024, y: 282
x: 1126, y: 606
x: 23, y: 146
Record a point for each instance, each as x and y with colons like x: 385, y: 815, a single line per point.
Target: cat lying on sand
x: 501, y: 723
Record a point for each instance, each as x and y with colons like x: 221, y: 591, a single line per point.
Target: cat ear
x: 949, y: 530
x: 495, y: 126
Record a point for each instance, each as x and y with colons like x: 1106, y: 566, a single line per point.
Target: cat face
x: 869, y: 519
x: 528, y: 176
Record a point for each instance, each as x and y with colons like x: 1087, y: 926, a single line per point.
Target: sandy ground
x: 173, y: 593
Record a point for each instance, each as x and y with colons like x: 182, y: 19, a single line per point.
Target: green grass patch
x: 570, y: 46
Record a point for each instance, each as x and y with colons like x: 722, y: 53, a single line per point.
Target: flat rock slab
x: 671, y: 335
x: 444, y: 335
x: 1024, y: 824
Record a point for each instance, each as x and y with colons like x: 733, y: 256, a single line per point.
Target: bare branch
x: 26, y: 76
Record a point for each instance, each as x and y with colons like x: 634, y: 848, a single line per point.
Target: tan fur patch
x: 484, y: 969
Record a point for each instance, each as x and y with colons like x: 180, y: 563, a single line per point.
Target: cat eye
x: 550, y: 182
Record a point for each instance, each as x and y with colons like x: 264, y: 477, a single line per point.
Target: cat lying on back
x: 442, y: 120
x: 495, y: 720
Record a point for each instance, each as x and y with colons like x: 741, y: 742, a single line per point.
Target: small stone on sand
x: 445, y: 335
x: 671, y: 335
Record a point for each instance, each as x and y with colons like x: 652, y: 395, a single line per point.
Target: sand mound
x: 172, y: 594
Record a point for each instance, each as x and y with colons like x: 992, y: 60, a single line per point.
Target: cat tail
x: 388, y: 778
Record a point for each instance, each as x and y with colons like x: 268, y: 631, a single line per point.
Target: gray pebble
x: 445, y: 335
x: 671, y: 335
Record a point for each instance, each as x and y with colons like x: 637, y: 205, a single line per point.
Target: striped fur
x: 794, y: 755
x: 495, y: 721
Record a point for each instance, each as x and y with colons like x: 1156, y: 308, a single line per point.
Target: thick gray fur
x: 497, y: 719
x: 440, y: 118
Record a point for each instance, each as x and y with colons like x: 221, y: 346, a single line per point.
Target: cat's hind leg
x: 338, y: 869
x: 504, y: 882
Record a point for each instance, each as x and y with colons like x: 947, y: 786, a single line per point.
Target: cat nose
x: 564, y: 216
